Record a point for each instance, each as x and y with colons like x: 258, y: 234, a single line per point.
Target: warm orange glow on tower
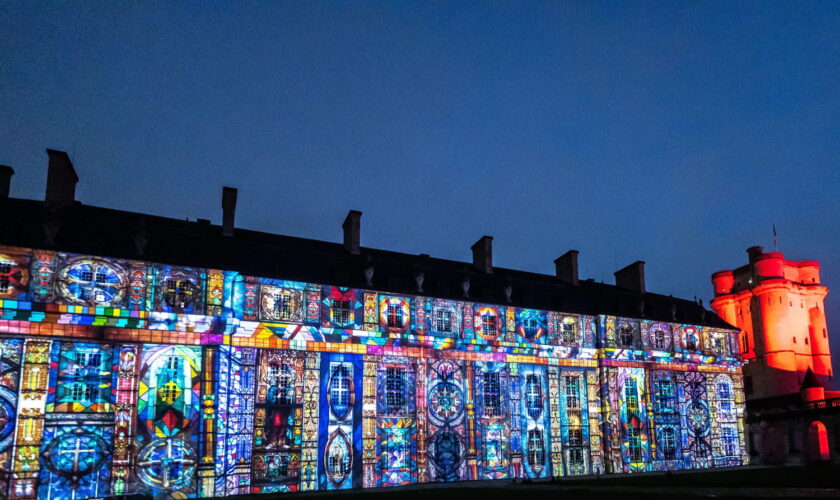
x: 778, y: 306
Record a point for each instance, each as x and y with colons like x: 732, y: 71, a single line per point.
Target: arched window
x: 340, y: 390
x: 818, y: 442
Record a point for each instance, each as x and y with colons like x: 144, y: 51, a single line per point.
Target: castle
x: 778, y: 306
x: 143, y: 354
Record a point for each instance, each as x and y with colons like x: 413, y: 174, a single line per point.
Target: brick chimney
x: 632, y: 277
x: 352, y: 231
x: 483, y: 254
x: 61, y: 180
x: 228, y: 210
x: 566, y: 267
x: 6, y: 173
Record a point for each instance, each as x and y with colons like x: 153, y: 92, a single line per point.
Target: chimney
x: 483, y: 254
x: 632, y: 277
x: 228, y: 210
x: 6, y: 173
x: 754, y: 253
x: 61, y: 180
x: 352, y: 231
x: 566, y: 267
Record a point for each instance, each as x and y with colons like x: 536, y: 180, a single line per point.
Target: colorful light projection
x: 118, y: 379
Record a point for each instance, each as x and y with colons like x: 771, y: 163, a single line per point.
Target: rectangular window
x: 569, y: 336
x: 626, y: 335
x: 575, y: 436
x: 572, y: 393
x: 341, y: 312
x: 283, y: 306
x: 395, y: 316
x: 443, y: 320
x: 394, y: 389
x: 664, y: 395
x: 488, y: 325
x: 634, y: 438
x: 631, y: 398
x: 576, y: 459
x: 530, y: 327
x: 730, y: 441
x: 659, y: 339
x: 5, y: 271
x: 492, y: 394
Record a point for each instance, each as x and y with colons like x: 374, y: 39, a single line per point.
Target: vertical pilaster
x: 369, y: 422
x: 422, y: 459
x: 309, y: 449
x: 516, y: 445
x: 30, y: 417
x: 554, y: 421
x: 125, y: 397
x: 206, y: 465
x: 472, y: 464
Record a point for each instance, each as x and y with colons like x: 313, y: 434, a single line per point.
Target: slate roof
x: 86, y: 229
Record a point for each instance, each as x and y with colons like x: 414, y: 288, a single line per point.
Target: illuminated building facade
x: 778, y: 306
x: 148, y: 355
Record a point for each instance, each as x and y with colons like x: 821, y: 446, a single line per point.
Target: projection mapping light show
x: 122, y: 376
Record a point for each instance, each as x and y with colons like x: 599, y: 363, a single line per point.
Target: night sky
x: 675, y: 133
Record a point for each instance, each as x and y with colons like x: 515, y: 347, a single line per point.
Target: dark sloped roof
x: 105, y: 232
x: 810, y: 381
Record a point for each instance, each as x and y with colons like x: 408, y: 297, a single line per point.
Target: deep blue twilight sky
x: 675, y: 133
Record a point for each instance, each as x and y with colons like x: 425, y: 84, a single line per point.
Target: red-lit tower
x: 778, y: 305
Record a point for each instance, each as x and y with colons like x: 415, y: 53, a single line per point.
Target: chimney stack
x: 632, y: 277
x: 228, y: 210
x: 754, y: 253
x: 6, y: 173
x: 61, y: 180
x: 352, y: 231
x: 566, y: 267
x: 483, y: 254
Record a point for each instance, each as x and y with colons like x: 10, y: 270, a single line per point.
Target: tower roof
x: 810, y: 381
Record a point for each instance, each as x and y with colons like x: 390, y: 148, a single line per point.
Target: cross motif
x: 176, y: 455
